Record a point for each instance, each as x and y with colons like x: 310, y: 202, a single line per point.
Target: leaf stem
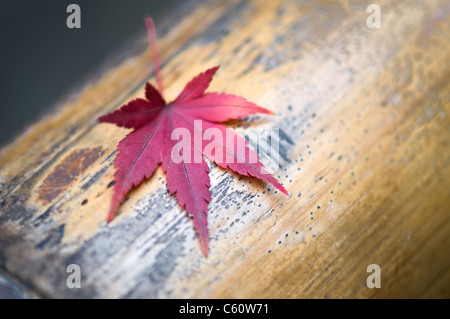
x: 151, y: 31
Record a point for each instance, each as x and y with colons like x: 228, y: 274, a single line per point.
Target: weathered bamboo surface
x: 365, y: 156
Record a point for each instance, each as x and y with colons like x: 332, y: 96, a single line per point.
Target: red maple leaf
x: 152, y: 142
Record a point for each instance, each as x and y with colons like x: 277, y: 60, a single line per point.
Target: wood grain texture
x: 364, y: 146
x: 13, y: 288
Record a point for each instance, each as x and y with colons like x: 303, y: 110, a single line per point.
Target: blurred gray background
x: 41, y: 59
